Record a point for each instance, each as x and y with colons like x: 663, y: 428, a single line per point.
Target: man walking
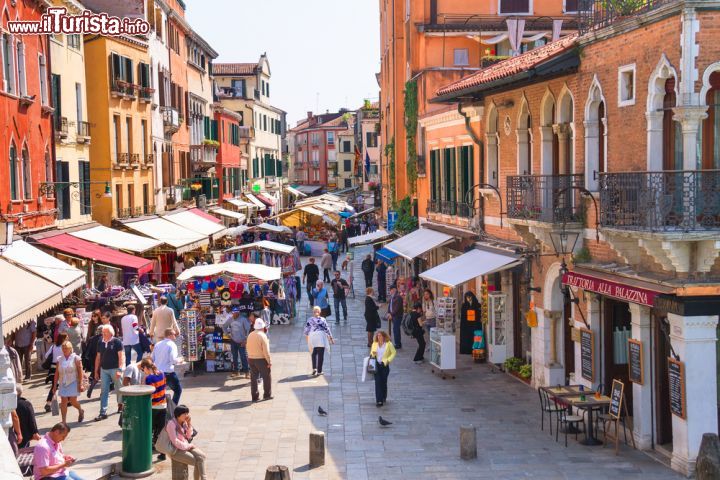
x: 130, y: 335
x: 239, y: 328
x: 311, y: 273
x: 109, y: 359
x: 340, y: 288
x: 300, y: 237
x: 333, y: 248
x: 258, y: 348
x: 381, y: 270
x: 163, y: 318
x: 25, y: 344
x: 165, y: 357
x: 368, y: 268
x: 326, y: 263
x: 394, y: 316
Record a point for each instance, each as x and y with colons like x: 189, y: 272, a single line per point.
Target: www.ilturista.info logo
x: 56, y: 20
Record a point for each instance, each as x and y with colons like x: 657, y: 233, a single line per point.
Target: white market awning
x: 117, y: 239
x: 180, y: 238
x: 240, y: 203
x: 26, y: 256
x: 24, y: 296
x: 240, y: 217
x: 468, y: 266
x: 295, y: 191
x: 255, y: 201
x: 418, y: 242
x: 371, y: 237
x: 272, y: 228
x: 196, y: 223
x: 264, y: 245
x: 254, y: 270
x: 312, y: 211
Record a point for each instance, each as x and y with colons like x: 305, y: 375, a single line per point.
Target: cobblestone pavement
x: 242, y: 439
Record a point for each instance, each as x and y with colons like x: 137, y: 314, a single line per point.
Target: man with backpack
x: 340, y: 286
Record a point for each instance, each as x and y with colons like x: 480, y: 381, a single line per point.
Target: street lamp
x: 8, y: 399
x: 562, y: 239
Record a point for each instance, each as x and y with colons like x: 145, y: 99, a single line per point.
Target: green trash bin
x: 137, y: 431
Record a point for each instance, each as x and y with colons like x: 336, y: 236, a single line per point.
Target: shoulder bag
x: 163, y: 444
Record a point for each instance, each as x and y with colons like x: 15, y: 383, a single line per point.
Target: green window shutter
x: 279, y: 168
x: 269, y: 165
x: 214, y: 130
x: 256, y: 168
x: 433, y: 180
x: 207, y: 127
x: 453, y: 177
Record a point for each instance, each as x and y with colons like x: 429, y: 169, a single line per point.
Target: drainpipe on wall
x: 481, y: 166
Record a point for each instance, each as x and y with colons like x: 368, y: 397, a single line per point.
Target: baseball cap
x: 259, y: 324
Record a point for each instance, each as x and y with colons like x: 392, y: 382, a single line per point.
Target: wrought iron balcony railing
x: 83, y: 129
x: 670, y: 201
x: 545, y: 198
x: 123, y: 158
x: 595, y: 14
x: 449, y: 207
x: 61, y: 127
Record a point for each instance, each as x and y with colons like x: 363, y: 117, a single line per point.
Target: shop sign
x: 616, y: 398
x: 610, y: 289
x: 587, y: 356
x: 392, y: 217
x: 635, y: 361
x: 676, y: 377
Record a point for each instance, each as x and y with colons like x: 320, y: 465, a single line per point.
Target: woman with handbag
x: 175, y: 440
x: 383, y: 353
x: 319, y: 337
x: 372, y: 317
x: 320, y: 298
x: 50, y: 364
x: 68, y: 381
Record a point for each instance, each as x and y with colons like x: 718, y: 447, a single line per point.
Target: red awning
x: 80, y: 248
x: 267, y: 200
x: 206, y: 215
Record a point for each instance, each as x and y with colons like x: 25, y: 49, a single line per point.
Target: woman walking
x: 320, y: 298
x: 417, y: 332
x: 319, y: 337
x: 156, y: 379
x: 75, y: 334
x: 383, y: 352
x: 180, y: 435
x: 372, y: 317
x: 68, y: 381
x: 428, y: 306
x: 469, y: 322
x: 53, y: 353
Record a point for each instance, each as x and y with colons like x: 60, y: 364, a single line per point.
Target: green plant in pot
x: 525, y: 371
x: 624, y: 7
x: 512, y: 364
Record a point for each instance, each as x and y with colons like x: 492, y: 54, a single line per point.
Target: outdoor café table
x: 590, y: 404
x: 560, y: 391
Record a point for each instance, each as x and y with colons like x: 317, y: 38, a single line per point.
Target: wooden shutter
x: 207, y: 127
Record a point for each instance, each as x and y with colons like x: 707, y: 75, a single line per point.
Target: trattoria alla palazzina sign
x: 610, y: 289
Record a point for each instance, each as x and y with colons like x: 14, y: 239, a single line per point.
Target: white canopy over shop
x: 24, y: 296
x: 196, y: 223
x: 253, y: 270
x: 263, y: 245
x: 255, y: 201
x: 418, y: 242
x: 170, y: 233
x: 240, y: 217
x: 468, y: 266
x: 24, y: 255
x: 295, y: 191
x: 118, y: 239
x: 240, y: 203
x: 372, y: 237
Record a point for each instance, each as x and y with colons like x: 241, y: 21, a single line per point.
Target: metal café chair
x: 547, y: 406
x: 567, y: 418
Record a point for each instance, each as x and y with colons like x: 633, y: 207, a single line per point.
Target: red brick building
x: 26, y: 122
x: 232, y: 157
x: 314, y: 147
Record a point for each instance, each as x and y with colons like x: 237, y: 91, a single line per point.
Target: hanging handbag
x: 47, y: 363
x: 372, y: 365
x: 54, y: 406
x: 163, y: 444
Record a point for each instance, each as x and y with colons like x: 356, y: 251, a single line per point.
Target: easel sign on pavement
x: 615, y: 413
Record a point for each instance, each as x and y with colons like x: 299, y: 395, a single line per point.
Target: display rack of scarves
x: 288, y: 263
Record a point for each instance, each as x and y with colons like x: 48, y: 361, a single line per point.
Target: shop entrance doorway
x: 617, y: 329
x: 663, y: 415
x: 568, y: 344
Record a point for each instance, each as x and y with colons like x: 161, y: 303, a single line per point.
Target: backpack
x: 408, y: 324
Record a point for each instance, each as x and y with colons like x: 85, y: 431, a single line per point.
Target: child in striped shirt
x: 156, y: 379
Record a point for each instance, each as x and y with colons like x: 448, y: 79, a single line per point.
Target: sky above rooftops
x: 323, y: 53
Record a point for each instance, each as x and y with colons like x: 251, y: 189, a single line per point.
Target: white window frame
x: 531, y: 8
x: 331, y: 137
x: 455, y: 57
x: 622, y: 70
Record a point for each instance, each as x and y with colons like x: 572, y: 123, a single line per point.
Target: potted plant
x: 525, y: 371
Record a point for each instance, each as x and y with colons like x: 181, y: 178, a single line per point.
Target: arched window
x: 524, y: 137
x: 26, y: 174
x: 672, y: 133
x: 711, y: 126
x: 14, y: 171
x: 602, y: 159
x: 595, y: 136
x: 493, y: 147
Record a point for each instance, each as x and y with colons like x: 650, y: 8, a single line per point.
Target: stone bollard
x: 468, y: 442
x: 277, y: 472
x: 708, y: 459
x: 179, y: 471
x: 317, y: 449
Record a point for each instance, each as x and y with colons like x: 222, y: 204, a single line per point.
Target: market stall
x: 249, y: 287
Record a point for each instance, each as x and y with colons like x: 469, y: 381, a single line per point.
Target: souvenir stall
x: 274, y: 254
x: 211, y: 288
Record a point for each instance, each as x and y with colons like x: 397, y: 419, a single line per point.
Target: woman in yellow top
x: 383, y: 352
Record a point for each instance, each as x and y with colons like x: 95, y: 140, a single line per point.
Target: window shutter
x: 279, y: 168
x: 214, y: 130
x: 207, y: 127
x: 129, y: 70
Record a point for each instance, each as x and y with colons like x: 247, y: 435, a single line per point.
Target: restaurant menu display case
x: 497, y: 328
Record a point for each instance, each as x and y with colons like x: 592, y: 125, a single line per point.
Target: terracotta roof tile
x: 234, y: 68
x: 511, y: 66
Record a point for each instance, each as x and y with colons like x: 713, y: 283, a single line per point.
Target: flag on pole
x: 367, y: 165
x: 358, y: 162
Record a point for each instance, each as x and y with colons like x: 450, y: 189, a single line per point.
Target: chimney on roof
x: 309, y: 115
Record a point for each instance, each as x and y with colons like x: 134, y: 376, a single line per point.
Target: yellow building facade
x: 119, y: 92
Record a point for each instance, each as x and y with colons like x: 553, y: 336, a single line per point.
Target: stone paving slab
x: 242, y: 439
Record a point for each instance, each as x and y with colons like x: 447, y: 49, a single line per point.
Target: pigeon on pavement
x: 321, y: 412
x: 384, y: 422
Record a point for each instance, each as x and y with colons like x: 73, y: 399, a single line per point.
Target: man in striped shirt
x: 156, y: 379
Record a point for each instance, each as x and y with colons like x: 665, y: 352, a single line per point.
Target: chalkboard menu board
x: 587, y: 362
x: 616, y: 398
x: 676, y: 381
x: 635, y: 361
